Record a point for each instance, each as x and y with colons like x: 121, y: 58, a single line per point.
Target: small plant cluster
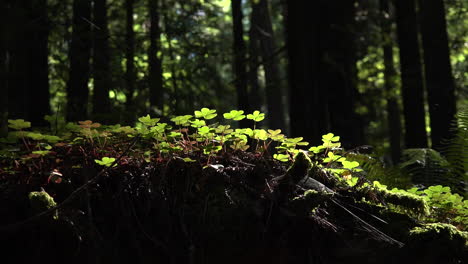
x: 197, y: 137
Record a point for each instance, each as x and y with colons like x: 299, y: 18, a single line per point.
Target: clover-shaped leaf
x: 35, y: 136
x: 198, y: 123
x: 204, y: 130
x: 332, y: 157
x: 235, y: 115
x: 260, y: 134
x: 246, y: 131
x: 183, y: 120
x: 330, y: 137
x: 281, y: 157
x: 206, y: 113
x: 18, y: 124
x: 105, y: 161
x: 223, y: 129
x: 147, y: 120
x: 88, y: 124
x: 349, y: 164
x: 256, y: 116
x: 317, y: 149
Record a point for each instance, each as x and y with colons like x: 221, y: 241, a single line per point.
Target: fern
x: 426, y: 167
x: 455, y: 150
x: 376, y: 170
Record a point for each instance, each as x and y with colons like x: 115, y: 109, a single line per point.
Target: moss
x: 438, y: 243
x: 300, y: 167
x: 448, y: 233
x: 41, y: 201
x: 408, y: 202
x: 310, y: 200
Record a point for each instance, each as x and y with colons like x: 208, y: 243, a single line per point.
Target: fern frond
x: 428, y: 167
x: 376, y: 170
x: 455, y: 150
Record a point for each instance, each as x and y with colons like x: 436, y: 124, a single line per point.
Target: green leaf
x: 281, y: 157
x: 147, y: 120
x: 206, y: 113
x: 18, y: 124
x: 256, y: 116
x: 349, y: 164
x: 105, y: 161
x: 317, y: 149
x: 260, y: 134
x: 330, y: 137
x: 41, y: 152
x: 198, y: 123
x: 235, y: 115
x: 183, y: 120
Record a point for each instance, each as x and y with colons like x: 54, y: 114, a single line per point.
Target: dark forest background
x: 387, y: 73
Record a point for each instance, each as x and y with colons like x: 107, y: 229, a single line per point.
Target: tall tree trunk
x: 4, y: 63
x: 338, y: 68
x: 155, y: 60
x: 393, y: 111
x: 411, y: 74
x: 438, y: 71
x: 274, y: 92
x: 129, y: 55
x: 101, y: 60
x: 80, y: 49
x: 38, y: 68
x: 256, y: 101
x: 239, y: 50
x: 17, y: 60
x: 308, y: 105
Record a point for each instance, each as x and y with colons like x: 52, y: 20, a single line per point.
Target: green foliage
x: 256, y: 116
x: 106, y: 161
x: 18, y: 124
x: 446, y: 207
x: 206, y: 113
x: 235, y: 115
x: 455, y: 150
x: 195, y: 140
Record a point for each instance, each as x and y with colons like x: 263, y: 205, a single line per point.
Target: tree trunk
x: 308, y: 105
x: 17, y: 60
x: 101, y: 60
x: 129, y: 55
x: 256, y: 101
x: 38, y: 68
x: 338, y: 69
x: 393, y: 111
x: 239, y: 51
x: 155, y: 60
x: 4, y: 9
x: 273, y: 89
x: 80, y: 47
x: 411, y: 74
x: 438, y: 71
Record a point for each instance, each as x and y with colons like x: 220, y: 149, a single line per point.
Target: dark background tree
x: 274, y: 92
x: 438, y: 71
x: 101, y: 61
x: 393, y: 109
x: 80, y: 50
x: 411, y: 74
x: 130, y: 78
x: 155, y: 60
x: 239, y: 51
